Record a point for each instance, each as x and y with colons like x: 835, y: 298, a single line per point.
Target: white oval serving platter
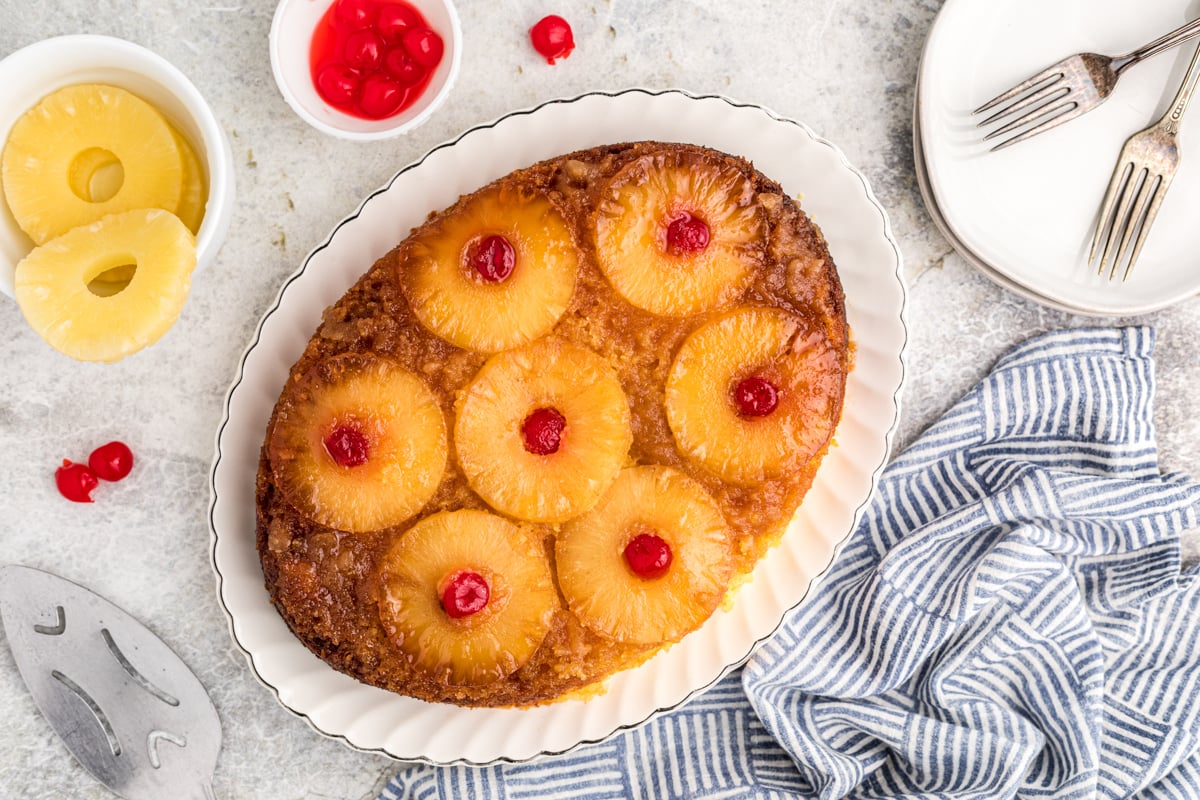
x: 834, y: 194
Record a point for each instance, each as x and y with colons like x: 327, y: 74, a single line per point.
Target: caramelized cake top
x: 544, y: 435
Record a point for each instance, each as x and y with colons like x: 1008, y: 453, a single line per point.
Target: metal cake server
x: 126, y: 706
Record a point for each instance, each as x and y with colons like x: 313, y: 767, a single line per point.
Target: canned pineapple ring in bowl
x: 33, y: 73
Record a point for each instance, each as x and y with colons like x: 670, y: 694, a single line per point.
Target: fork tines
x: 1031, y: 107
x: 1130, y: 205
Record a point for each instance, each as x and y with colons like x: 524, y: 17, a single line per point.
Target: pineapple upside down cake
x: 545, y: 435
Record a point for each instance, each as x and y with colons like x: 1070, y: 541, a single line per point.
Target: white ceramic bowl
x: 291, y: 38
x: 33, y: 72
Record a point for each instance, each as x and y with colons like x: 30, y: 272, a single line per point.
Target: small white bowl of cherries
x: 365, y: 69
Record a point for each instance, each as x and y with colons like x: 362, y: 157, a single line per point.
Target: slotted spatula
x: 126, y: 706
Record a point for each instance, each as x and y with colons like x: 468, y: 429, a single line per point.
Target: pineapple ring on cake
x: 496, y: 272
x: 103, y: 291
x: 754, y: 393
x: 650, y: 562
x: 358, y: 443
x: 679, y: 233
x: 542, y: 431
x: 467, y: 596
x: 71, y: 132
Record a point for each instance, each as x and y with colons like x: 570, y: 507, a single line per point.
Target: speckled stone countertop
x: 845, y: 67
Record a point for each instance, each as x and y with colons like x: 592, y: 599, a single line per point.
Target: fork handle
x: 1165, y: 42
x: 1170, y: 121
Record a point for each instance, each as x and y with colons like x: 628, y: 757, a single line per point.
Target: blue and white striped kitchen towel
x: 1010, y: 619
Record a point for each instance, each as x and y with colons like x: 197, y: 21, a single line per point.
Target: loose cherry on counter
x: 75, y: 481
x: 112, y: 461
x: 552, y: 38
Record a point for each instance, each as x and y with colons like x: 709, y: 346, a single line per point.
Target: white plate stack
x: 1025, y: 215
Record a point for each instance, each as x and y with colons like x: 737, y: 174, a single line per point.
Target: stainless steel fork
x: 1066, y: 90
x: 1144, y: 170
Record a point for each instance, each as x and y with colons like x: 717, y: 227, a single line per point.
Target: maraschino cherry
x: 347, y: 445
x: 648, y: 555
x: 394, y: 19
x: 492, y: 257
x: 425, y: 46
x: 686, y: 234
x: 75, y: 481
x: 373, y: 59
x: 542, y: 431
x: 467, y: 593
x: 552, y: 38
x: 112, y: 461
x: 755, y: 397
